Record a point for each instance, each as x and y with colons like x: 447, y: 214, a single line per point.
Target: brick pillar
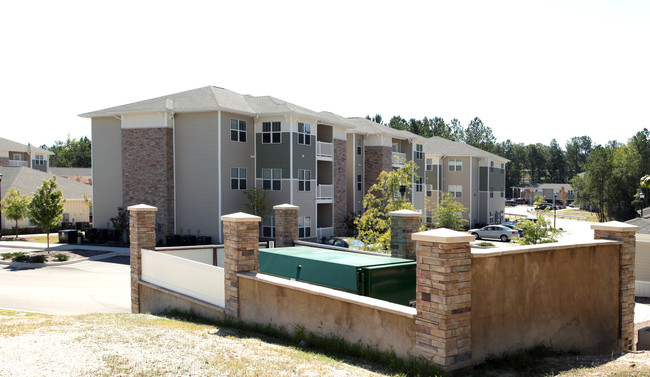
x: 286, y: 224
x: 403, y: 224
x: 625, y: 233
x: 241, y: 253
x: 142, y: 230
x: 443, y: 298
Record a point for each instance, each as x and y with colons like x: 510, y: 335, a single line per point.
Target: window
x: 429, y: 190
x: 502, y: 165
x: 418, y: 184
x: 304, y: 133
x: 491, y: 164
x: 395, y: 147
x: 359, y: 182
x: 39, y: 160
x: 502, y: 194
x: 268, y: 227
x: 304, y: 227
x: 491, y: 194
x: 238, y: 130
x: 359, y: 145
x: 419, y: 152
x: 456, y: 190
x: 304, y: 180
x: 455, y: 164
x: 272, y: 179
x: 271, y: 133
x: 429, y: 164
x: 238, y: 178
x: 429, y: 217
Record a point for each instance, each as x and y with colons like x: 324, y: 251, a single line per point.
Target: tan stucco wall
x: 156, y: 300
x: 325, y: 311
x: 566, y: 297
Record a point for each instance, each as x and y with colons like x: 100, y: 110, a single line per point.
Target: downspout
x: 291, y: 126
x: 174, y: 162
x: 255, y: 151
x: 487, y: 196
x: 219, y: 174
x: 471, y: 187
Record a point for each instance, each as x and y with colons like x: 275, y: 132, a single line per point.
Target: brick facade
x: 443, y: 298
x: 4, y: 161
x: 286, y: 224
x: 340, y: 187
x: 377, y: 159
x: 148, y: 173
x: 241, y: 253
x: 404, y: 224
x: 627, y: 235
x: 142, y: 227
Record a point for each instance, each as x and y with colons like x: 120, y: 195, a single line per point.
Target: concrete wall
x: 642, y: 265
x: 565, y: 296
x: 282, y: 302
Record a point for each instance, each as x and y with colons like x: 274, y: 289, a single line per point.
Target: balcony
x: 324, y: 233
x: 18, y: 163
x: 325, y: 192
x: 399, y: 159
x: 324, y: 151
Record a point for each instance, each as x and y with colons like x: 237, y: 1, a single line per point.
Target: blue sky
x: 532, y: 71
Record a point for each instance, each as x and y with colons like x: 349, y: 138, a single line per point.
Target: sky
x: 532, y: 71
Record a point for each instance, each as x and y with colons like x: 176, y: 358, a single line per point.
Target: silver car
x: 496, y: 232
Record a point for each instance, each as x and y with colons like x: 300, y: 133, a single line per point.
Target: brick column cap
x: 285, y: 206
x: 241, y: 217
x: 405, y: 213
x: 615, y: 226
x: 142, y: 207
x: 442, y: 235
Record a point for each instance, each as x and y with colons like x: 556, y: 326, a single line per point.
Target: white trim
x: 291, y: 127
x: 219, y: 154
x: 171, y: 114
x: 471, y: 187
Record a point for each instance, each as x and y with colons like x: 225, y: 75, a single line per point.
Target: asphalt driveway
x: 101, y: 286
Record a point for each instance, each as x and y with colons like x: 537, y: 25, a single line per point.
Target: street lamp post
x: 641, y: 196
x: 554, y: 208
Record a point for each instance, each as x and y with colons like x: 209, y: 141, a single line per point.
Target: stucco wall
x: 267, y: 299
x: 564, y: 296
x: 157, y: 300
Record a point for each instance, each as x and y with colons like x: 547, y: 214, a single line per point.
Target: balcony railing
x: 325, y: 192
x: 18, y: 163
x: 324, y: 233
x: 324, y: 149
x: 399, y: 159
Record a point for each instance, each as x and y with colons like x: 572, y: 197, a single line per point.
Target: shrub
x: 37, y: 259
x: 7, y: 255
x: 485, y: 244
x: 19, y: 257
x: 61, y: 257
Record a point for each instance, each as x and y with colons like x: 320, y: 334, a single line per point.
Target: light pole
x: 641, y: 196
x: 554, y: 208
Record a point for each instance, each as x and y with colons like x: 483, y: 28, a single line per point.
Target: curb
x: 54, y: 264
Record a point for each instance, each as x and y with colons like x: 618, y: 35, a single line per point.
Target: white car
x: 496, y: 232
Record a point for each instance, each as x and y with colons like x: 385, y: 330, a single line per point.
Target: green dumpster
x: 378, y: 276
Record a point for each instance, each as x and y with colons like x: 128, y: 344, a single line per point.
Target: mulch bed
x: 72, y: 254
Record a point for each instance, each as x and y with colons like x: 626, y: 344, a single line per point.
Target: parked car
x: 514, y: 227
x: 496, y: 232
x: 350, y: 243
x: 511, y: 203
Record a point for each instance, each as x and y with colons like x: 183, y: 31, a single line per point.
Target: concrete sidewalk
x: 33, y: 246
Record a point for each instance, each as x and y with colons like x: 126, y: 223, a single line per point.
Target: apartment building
x: 20, y: 155
x: 193, y: 155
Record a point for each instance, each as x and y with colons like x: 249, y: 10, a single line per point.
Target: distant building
x: 16, y: 154
x: 563, y: 192
x: 81, y: 175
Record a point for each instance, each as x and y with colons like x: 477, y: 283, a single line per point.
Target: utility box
x: 382, y: 277
x: 68, y: 236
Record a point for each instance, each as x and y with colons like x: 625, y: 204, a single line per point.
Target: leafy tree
x: 72, y: 153
x: 46, y: 207
x: 479, y: 135
x: 398, y: 123
x: 535, y: 162
x: 593, y: 187
x: 382, y: 198
x: 537, y: 232
x: 457, y: 131
x: 445, y: 214
x: 538, y: 200
x: 14, y: 206
x: 577, y: 151
x: 556, y: 161
x: 121, y: 223
x: 257, y: 203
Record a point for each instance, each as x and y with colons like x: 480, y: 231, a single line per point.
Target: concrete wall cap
x: 615, y: 226
x: 442, y: 235
x: 405, y: 213
x: 240, y: 217
x: 286, y: 206
x: 142, y: 207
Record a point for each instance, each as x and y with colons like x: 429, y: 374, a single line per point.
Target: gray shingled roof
x: 27, y: 180
x: 370, y: 127
x: 67, y: 172
x: 8, y: 145
x: 441, y: 146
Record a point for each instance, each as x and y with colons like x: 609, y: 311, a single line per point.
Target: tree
x: 398, y: 123
x: 556, y: 160
x: 479, y: 135
x: 593, y: 188
x: 257, y: 203
x: 535, y: 162
x: 577, y: 151
x: 71, y: 153
x: 538, y: 200
x: 457, y: 131
x: 537, y: 232
x: 445, y: 214
x: 14, y: 206
x: 377, y: 118
x: 121, y: 223
x: 46, y: 207
x: 382, y: 198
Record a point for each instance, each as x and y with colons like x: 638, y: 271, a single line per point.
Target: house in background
x: 193, y: 155
x: 560, y: 192
x: 17, y: 154
x: 27, y: 181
